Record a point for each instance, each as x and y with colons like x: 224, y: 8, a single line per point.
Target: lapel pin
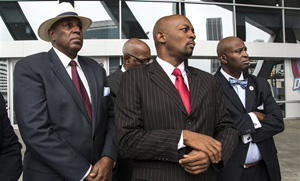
x: 251, y: 88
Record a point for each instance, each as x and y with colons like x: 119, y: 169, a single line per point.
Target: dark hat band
x: 67, y: 13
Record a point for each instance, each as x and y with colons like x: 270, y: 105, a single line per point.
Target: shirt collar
x: 123, y: 68
x: 168, y: 68
x: 227, y: 76
x: 65, y: 59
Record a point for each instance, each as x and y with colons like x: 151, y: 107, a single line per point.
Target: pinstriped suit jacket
x: 150, y: 116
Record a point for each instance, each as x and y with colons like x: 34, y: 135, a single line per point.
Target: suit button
x: 188, y: 122
x: 94, y: 137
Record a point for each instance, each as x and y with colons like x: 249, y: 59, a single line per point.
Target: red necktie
x: 182, y: 89
x: 80, y: 88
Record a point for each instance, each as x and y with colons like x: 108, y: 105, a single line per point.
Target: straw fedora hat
x: 62, y: 10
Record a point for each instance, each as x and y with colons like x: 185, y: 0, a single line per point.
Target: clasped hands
x: 206, y: 150
x: 101, y: 171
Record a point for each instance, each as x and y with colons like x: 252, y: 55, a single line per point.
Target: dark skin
x: 138, y: 49
x: 234, y: 58
x: 174, y: 40
x: 66, y: 35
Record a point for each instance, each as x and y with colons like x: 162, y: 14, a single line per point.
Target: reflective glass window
x: 138, y: 18
x: 292, y: 26
x: 259, y: 24
x: 4, y: 33
x: 292, y: 3
x: 114, y: 62
x: 105, y: 17
x: 221, y: 1
x: 3, y: 78
x: 36, y: 12
x: 104, y: 14
x: 202, y: 64
x: 260, y: 2
x: 211, y: 22
x: 15, y: 21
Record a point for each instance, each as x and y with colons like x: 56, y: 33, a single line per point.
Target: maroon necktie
x: 80, y: 88
x: 182, y: 89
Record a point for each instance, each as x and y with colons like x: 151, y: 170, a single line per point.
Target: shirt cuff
x: 87, y: 173
x: 255, y: 121
x: 180, y: 144
x: 246, y: 138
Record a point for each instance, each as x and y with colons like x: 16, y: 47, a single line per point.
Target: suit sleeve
x: 225, y: 131
x: 134, y: 141
x: 36, y: 128
x: 110, y: 147
x: 273, y: 122
x: 10, y: 148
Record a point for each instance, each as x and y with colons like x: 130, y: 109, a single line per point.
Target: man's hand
x: 195, y: 162
x: 102, y: 170
x: 204, y: 143
x: 260, y: 116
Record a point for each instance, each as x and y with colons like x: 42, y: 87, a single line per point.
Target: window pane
x: 291, y: 3
x: 4, y: 33
x: 210, y: 22
x: 105, y: 17
x: 138, y: 18
x: 103, y: 26
x: 261, y: 2
x: 33, y: 8
x: 3, y: 78
x: 221, y: 1
x: 292, y: 26
x: 259, y: 24
x: 202, y: 64
x: 114, y: 62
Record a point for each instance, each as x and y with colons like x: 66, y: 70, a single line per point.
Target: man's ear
x: 223, y: 58
x: 126, y: 59
x: 160, y: 36
x: 51, y: 34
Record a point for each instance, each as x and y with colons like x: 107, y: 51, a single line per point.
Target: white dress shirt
x: 65, y: 60
x: 253, y: 154
x: 168, y: 68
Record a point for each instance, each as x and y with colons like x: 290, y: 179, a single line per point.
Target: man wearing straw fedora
x: 63, y: 106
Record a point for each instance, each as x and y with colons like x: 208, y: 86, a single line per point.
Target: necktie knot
x: 177, y: 72
x: 242, y: 83
x: 72, y: 63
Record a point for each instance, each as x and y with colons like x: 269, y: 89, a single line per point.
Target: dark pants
x: 123, y: 171
x: 256, y: 173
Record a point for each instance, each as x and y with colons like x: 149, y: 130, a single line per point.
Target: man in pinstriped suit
x: 153, y: 125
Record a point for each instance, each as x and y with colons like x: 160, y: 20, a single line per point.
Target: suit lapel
x: 229, y: 92
x: 88, y: 72
x: 162, y: 80
x: 195, y: 86
x: 250, y: 94
x: 65, y: 79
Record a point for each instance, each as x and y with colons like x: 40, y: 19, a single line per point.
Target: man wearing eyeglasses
x: 135, y: 53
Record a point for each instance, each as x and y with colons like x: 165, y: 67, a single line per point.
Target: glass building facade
x: 270, y: 28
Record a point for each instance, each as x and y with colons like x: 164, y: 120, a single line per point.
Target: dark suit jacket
x: 10, y: 148
x: 150, y: 117
x: 114, y: 80
x: 61, y: 142
x: 123, y: 168
x: 263, y: 137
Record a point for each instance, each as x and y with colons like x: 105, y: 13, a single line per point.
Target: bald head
x: 135, y: 53
x: 225, y: 44
x: 233, y: 55
x: 174, y: 38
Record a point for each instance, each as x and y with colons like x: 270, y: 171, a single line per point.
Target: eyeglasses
x: 142, y: 61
